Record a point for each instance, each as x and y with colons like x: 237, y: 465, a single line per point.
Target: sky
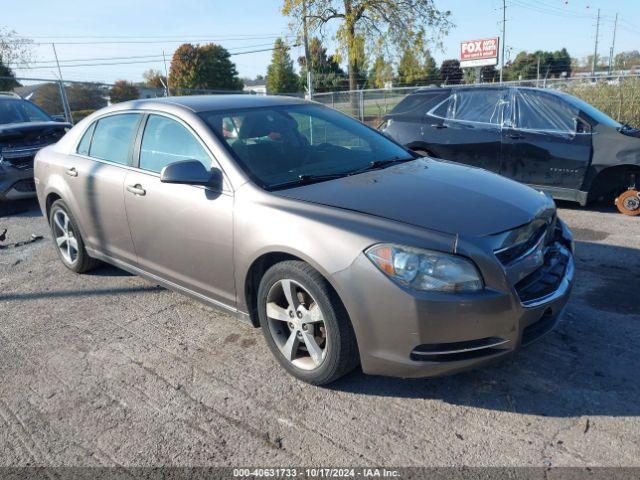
x: 95, y: 29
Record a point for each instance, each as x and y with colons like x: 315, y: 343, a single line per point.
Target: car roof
x: 450, y: 88
x: 209, y: 103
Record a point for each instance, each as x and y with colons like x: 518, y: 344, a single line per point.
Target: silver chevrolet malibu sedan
x: 342, y: 246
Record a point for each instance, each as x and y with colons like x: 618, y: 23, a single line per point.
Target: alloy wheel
x: 65, y: 236
x: 296, y: 324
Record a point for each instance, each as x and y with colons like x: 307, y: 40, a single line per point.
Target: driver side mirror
x: 191, y: 172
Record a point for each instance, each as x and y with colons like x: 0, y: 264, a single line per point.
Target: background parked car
x: 547, y: 139
x: 24, y: 129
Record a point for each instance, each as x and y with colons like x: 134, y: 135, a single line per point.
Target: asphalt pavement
x: 109, y: 369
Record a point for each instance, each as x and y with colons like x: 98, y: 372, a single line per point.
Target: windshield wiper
x: 378, y: 164
x: 308, y: 179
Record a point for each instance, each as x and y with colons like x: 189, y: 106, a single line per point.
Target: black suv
x: 24, y: 129
x: 550, y: 140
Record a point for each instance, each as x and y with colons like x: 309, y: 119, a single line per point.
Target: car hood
x: 432, y: 194
x: 32, y: 133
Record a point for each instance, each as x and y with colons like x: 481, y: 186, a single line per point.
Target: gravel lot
x: 109, y: 369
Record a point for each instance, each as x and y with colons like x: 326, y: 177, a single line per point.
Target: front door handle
x: 72, y: 172
x: 516, y: 136
x: 438, y: 125
x: 137, y: 189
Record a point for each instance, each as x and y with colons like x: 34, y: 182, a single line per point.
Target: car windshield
x: 593, y: 112
x: 20, y: 111
x: 281, y: 145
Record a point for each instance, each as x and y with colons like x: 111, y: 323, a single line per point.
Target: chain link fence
x: 72, y: 101
x: 617, y: 96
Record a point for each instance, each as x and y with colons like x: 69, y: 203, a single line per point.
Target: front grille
x: 21, y: 163
x: 539, y: 229
x: 547, y: 278
x: 20, y: 157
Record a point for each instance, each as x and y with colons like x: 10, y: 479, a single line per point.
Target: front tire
x: 305, y: 324
x: 67, y: 239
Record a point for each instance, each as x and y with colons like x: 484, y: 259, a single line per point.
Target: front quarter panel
x: 329, y: 239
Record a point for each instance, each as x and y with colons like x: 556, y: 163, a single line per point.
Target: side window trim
x: 137, y: 142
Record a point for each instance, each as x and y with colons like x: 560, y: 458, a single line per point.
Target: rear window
x: 113, y: 137
x: 419, y: 104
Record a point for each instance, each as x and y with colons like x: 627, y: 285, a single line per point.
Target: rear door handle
x: 515, y: 136
x: 72, y: 172
x: 137, y: 189
x: 438, y: 125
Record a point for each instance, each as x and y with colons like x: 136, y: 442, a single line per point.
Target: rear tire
x: 305, y: 324
x: 68, y: 240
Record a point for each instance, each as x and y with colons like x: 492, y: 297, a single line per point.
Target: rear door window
x: 167, y: 141
x: 85, y: 143
x: 542, y: 111
x: 481, y: 106
x: 113, y: 137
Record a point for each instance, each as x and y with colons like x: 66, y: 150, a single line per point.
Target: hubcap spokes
x: 65, y: 237
x: 296, y: 324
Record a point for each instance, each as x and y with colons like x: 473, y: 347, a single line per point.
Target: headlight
x: 425, y: 269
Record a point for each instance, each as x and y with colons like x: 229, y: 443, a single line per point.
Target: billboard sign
x: 478, y: 53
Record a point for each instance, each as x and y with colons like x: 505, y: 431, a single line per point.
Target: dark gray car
x: 24, y: 129
x: 342, y: 245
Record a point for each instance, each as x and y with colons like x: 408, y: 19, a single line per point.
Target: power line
x: 156, y: 41
x: 136, y: 62
x: 135, y: 57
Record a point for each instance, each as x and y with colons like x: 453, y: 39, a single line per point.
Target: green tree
x: 450, y: 72
x: 14, y: 50
x: 326, y: 72
x: 552, y: 64
x: 281, y: 78
x: 203, y: 67
x: 430, y: 68
x: 392, y: 22
x: 122, y: 90
x: 489, y: 74
x: 7, y: 78
x: 410, y: 71
x: 381, y: 73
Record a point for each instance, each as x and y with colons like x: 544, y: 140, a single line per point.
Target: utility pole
x: 595, y: 50
x: 307, y: 56
x: 63, y: 92
x: 538, y: 72
x: 613, y: 44
x: 504, y: 30
x: 166, y: 74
